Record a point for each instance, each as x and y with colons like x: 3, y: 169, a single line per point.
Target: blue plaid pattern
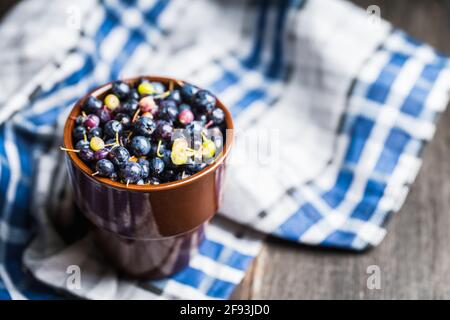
x: 389, y: 118
x: 350, y: 218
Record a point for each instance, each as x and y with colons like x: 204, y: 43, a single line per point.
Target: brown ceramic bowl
x: 146, y: 231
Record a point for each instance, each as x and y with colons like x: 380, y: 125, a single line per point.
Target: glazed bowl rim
x: 68, y: 142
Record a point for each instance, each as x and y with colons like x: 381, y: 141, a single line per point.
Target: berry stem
x: 110, y: 144
x: 171, y: 86
x: 209, y: 124
x: 136, y: 115
x: 159, y: 147
x: 69, y: 150
x: 162, y: 95
x: 117, y: 138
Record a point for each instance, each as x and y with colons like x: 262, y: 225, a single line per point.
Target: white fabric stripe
x: 177, y: 289
x: 21, y: 99
x: 249, y: 245
x: 216, y: 269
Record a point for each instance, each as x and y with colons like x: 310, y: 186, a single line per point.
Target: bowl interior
x: 100, y: 93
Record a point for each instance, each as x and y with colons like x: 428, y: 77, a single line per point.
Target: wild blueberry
x: 187, y: 92
x: 104, y: 167
x: 130, y: 172
x: 164, y: 130
x: 194, y: 167
x: 79, y: 132
x: 145, y: 165
x: 175, y: 95
x: 119, y: 155
x: 82, y: 144
x: 139, y: 146
x: 121, y: 89
x: 124, y: 119
x: 79, y: 120
x: 91, y: 121
x: 95, y: 132
x: 134, y: 94
x: 86, y: 154
x: 130, y: 107
x: 104, y: 115
x: 204, y: 101
x: 144, y: 126
x: 168, y: 110
x: 112, y: 127
x: 156, y: 166
x: 168, y: 175
x: 92, y: 104
x: 101, y: 154
x: 218, y: 116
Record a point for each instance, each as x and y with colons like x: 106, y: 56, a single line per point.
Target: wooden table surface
x: 414, y: 258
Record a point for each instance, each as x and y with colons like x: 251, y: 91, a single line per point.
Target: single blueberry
x: 92, y: 104
x: 112, y: 127
x: 187, y: 92
x: 204, y: 101
x: 139, y: 146
x: 104, y: 167
x: 131, y: 172
x: 164, y: 130
x: 82, y: 144
x: 119, y: 155
x: 130, y: 107
x: 95, y: 132
x: 124, y: 119
x: 79, y: 132
x: 121, y: 89
x: 144, y: 126
x: 86, y: 154
x: 156, y: 166
x: 168, y: 110
x: 145, y: 165
x: 218, y: 116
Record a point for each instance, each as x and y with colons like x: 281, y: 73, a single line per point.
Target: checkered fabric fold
x: 347, y: 104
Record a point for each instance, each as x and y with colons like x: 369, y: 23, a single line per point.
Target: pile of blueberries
x: 149, y: 132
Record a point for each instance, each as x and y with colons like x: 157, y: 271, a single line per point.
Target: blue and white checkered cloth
x: 351, y: 103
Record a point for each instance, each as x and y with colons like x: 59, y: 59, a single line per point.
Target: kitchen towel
x: 337, y: 104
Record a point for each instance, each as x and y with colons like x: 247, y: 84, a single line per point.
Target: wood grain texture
x: 414, y: 258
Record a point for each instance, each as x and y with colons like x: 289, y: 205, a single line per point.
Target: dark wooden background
x: 414, y: 259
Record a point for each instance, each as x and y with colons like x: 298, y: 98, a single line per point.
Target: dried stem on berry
x: 159, y: 147
x: 69, y: 150
x: 209, y: 124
